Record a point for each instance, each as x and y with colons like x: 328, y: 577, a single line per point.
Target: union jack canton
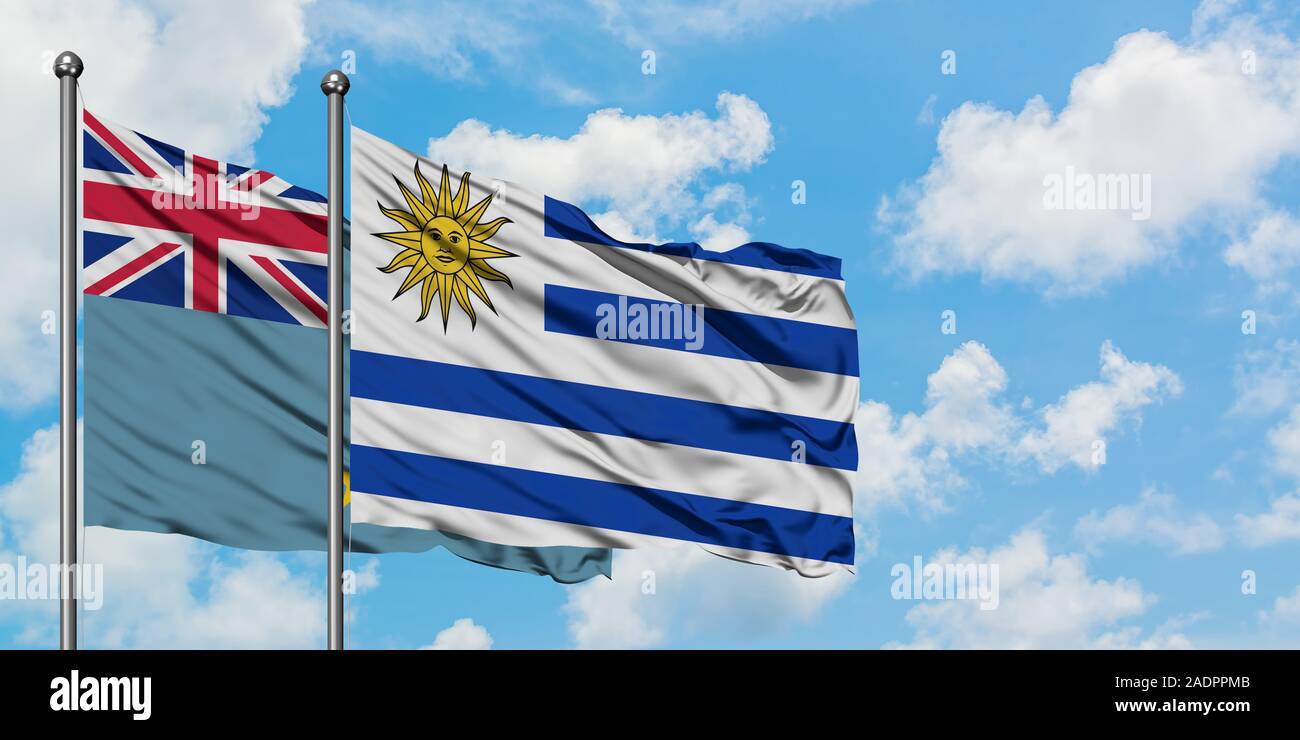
x: 167, y: 226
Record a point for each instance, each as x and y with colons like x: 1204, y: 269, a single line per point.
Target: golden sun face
x: 444, y: 246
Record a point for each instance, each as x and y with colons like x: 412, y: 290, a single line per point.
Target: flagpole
x: 68, y: 67
x: 335, y: 85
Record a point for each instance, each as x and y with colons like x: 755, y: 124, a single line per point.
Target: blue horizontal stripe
x: 569, y: 222
x: 592, y: 503
x: 741, y: 336
x: 593, y: 408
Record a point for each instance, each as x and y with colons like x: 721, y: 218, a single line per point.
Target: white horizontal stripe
x: 713, y: 284
x: 604, y: 457
x: 621, y: 365
x: 522, y: 531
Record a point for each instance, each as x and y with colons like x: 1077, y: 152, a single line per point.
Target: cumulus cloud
x: 1267, y: 381
x: 910, y: 458
x: 1155, y: 519
x: 1284, y: 440
x: 182, y: 82
x: 159, y: 590
x: 1285, y: 610
x: 1269, y: 251
x: 1045, y: 601
x: 1088, y: 413
x: 1280, y: 523
x: 643, y: 167
x: 1176, y: 112
x: 466, y: 33
x: 682, y: 592
x: 463, y: 634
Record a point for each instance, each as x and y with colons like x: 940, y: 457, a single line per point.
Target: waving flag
x: 205, y: 370
x: 520, y: 376
x: 173, y: 228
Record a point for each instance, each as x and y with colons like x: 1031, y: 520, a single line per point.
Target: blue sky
x: 925, y: 183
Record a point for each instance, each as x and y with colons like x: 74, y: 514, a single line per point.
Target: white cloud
x: 1185, y: 114
x: 682, y: 592
x: 911, y: 457
x: 445, y: 38
x: 366, y: 578
x: 925, y: 117
x: 162, y: 591
x: 1046, y: 601
x: 643, y: 167
x: 183, y: 82
x: 1285, y: 611
x: 1154, y: 518
x: 672, y: 22
x: 1090, y: 412
x: 463, y: 634
x: 1279, y: 524
x: 1268, y: 380
x: 1269, y: 251
x: 1284, y: 439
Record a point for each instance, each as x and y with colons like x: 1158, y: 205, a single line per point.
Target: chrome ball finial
x: 335, y: 81
x: 68, y: 64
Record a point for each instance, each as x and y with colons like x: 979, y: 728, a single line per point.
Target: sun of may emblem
x: 444, y: 246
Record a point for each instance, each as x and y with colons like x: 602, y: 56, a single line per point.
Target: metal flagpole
x: 335, y: 85
x: 67, y: 67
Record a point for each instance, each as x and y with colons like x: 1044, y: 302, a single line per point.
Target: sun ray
x: 444, y: 195
x: 486, y: 231
x: 489, y: 272
x: 428, y: 195
x: 418, y: 208
x: 444, y: 297
x: 462, y: 197
x: 462, y: 297
x: 483, y: 251
x: 472, y: 282
x: 426, y: 297
x: 417, y: 273
x: 469, y: 219
x: 408, y: 239
x: 404, y: 258
x: 403, y: 219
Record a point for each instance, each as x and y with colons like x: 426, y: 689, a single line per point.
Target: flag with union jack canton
x: 205, y: 373
x: 167, y: 226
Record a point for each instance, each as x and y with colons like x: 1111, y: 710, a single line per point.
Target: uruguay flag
x: 519, y: 376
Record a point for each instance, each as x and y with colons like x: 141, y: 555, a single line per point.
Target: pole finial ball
x: 333, y: 82
x: 68, y: 64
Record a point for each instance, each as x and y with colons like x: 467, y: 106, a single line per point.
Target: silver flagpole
x: 67, y: 67
x: 335, y: 85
